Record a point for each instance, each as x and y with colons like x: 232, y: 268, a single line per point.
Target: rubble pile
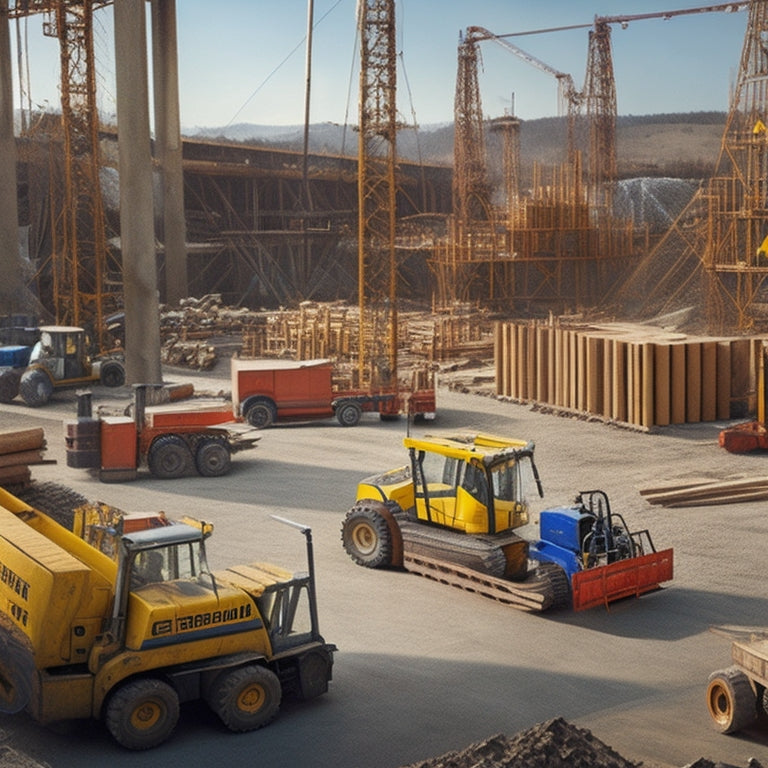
x: 551, y: 744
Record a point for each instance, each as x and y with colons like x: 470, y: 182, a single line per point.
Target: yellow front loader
x: 127, y: 638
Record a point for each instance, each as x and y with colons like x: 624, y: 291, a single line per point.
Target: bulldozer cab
x: 63, y: 351
x: 470, y: 489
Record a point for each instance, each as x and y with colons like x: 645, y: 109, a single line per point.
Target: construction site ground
x: 424, y: 670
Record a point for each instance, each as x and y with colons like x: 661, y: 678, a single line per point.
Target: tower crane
x: 569, y: 98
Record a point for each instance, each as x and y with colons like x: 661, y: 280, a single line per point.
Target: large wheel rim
x: 251, y: 699
x: 147, y: 714
x: 113, y: 376
x: 720, y: 703
x: 260, y: 416
x: 364, y: 538
x: 213, y: 459
x: 171, y: 461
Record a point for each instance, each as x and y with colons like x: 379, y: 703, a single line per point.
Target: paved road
x: 423, y: 668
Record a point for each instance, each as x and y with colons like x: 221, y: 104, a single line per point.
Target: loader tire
x: 17, y: 668
x: 246, y: 698
x: 261, y: 413
x: 366, y: 536
x: 9, y: 385
x: 730, y: 700
x: 35, y: 388
x: 112, y: 374
x: 142, y: 713
x: 169, y: 457
x: 57, y: 501
x: 213, y: 458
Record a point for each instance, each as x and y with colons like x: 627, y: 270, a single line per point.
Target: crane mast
x: 80, y: 259
x: 377, y: 266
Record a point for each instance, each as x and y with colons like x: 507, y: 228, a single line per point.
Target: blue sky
x: 244, y: 60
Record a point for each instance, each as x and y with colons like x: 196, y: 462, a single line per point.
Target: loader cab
x: 62, y: 350
x: 471, y: 490
x: 155, y: 556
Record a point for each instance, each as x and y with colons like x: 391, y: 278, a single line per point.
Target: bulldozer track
x: 535, y: 594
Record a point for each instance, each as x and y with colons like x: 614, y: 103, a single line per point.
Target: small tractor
x: 452, y: 515
x: 126, y: 637
x: 60, y: 359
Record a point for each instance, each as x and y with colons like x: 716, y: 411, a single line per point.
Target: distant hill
x: 683, y: 145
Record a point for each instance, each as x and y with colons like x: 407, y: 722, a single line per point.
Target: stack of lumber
x: 19, y: 449
x: 704, y: 492
x: 634, y: 374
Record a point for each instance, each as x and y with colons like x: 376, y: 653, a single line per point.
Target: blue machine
x: 585, y: 535
x: 14, y: 356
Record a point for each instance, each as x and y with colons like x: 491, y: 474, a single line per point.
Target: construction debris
x: 196, y: 331
x: 552, y: 744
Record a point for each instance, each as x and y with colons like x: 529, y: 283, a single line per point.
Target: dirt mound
x: 552, y: 744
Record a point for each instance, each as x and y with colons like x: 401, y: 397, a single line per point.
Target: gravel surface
x: 424, y: 669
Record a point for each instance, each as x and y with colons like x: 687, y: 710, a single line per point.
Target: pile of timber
x: 698, y: 493
x: 633, y: 374
x: 315, y: 330
x: 18, y: 450
x: 332, y: 330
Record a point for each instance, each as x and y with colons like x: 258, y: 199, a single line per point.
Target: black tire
x: 57, y: 501
x: 142, y: 714
x: 314, y: 673
x: 35, y: 388
x: 261, y: 413
x: 559, y: 585
x: 213, y: 458
x: 169, y: 457
x: 348, y: 414
x: 246, y: 698
x: 730, y: 700
x: 112, y: 374
x: 366, y: 537
x: 17, y: 670
x: 9, y: 384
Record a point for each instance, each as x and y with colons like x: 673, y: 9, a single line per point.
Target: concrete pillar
x: 137, y: 238
x: 11, y: 280
x: 168, y: 148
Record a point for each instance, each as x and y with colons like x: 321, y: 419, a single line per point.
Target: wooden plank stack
x: 697, y: 493
x: 18, y: 450
x: 634, y: 374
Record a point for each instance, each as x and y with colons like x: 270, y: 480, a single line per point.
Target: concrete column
x: 11, y: 280
x: 168, y: 147
x: 137, y: 238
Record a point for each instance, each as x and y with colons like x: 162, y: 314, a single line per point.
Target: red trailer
x: 265, y: 392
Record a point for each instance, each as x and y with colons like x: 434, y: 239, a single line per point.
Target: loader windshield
x: 513, y: 484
